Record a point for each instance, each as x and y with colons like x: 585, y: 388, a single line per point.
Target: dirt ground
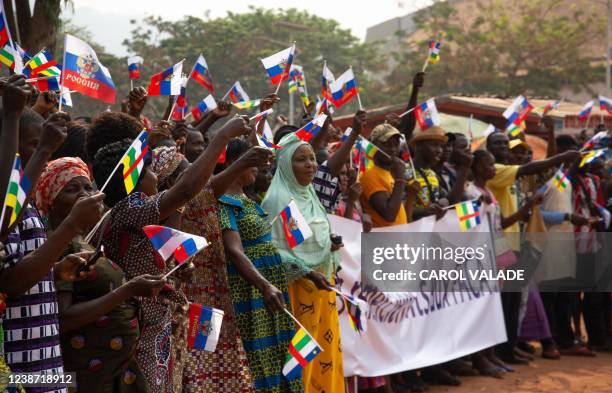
x: 570, y: 374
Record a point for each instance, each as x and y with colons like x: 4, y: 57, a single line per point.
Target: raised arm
x: 52, y: 136
x: 339, y: 158
x: 407, y: 123
x: 34, y: 266
x: 137, y: 99
x: 15, y: 95
x: 198, y: 173
x: 222, y: 110
x: 254, y: 157
x: 536, y: 167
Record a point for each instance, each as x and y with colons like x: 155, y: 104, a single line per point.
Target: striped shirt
x: 326, y: 187
x: 31, y: 329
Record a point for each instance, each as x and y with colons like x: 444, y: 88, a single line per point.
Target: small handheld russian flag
x: 278, y: 65
x: 201, y: 74
x: 517, y: 112
x: 237, y: 93
x: 204, y: 327
x: 605, y: 104
x: 344, y: 88
x: 203, y: 107
x: 264, y: 142
x: 585, y: 112
x: 311, y: 129
x: 295, y: 227
x: 168, y: 82
x: 326, y: 81
x: 168, y: 241
x: 134, y: 63
x: 427, y: 114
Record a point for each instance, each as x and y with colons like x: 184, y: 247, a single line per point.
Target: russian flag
x: 168, y: 82
x: 518, y: 111
x: 181, y: 106
x: 344, y: 88
x: 4, y: 32
x: 264, y: 142
x: 237, y: 93
x: 326, y: 81
x: 204, y: 327
x: 168, y: 242
x: 66, y: 97
x: 346, y: 134
x: 84, y: 73
x: 279, y: 64
x: 201, y: 74
x: 427, y: 115
x: 203, y: 107
x: 586, y: 111
x: 46, y: 84
x: 295, y: 227
x: 605, y: 104
x: 134, y: 63
x: 311, y: 129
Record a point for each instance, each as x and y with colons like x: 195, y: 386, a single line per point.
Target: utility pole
x: 608, y: 39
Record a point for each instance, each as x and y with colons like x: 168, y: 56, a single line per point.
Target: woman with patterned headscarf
x: 99, y: 328
x: 310, y: 265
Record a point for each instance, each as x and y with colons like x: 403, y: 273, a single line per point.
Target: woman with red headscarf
x: 99, y: 328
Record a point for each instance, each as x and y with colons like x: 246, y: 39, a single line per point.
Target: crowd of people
x: 121, y: 326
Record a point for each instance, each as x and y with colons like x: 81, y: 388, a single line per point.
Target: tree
x: 233, y: 46
x: 38, y: 27
x: 504, y: 48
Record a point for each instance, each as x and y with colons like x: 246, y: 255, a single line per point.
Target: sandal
x: 578, y: 350
x: 551, y: 353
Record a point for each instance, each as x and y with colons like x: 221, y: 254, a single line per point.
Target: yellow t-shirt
x: 503, y: 187
x: 377, y: 179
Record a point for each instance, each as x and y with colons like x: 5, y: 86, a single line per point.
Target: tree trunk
x: 39, y: 30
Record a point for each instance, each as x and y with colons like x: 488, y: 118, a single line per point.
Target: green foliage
x: 504, y: 48
x: 233, y: 46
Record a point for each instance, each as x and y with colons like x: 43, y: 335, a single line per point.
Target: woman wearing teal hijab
x: 310, y: 265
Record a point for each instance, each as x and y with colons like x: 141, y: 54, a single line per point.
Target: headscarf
x: 54, y: 178
x: 314, y: 253
x: 165, y: 161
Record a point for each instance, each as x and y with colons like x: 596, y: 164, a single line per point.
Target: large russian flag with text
x: 84, y: 73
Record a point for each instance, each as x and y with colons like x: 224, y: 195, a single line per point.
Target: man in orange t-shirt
x: 384, y: 186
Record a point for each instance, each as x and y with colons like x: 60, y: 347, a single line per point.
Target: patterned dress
x: 162, y: 341
x: 31, y: 329
x: 226, y: 370
x: 102, y: 352
x: 266, y: 336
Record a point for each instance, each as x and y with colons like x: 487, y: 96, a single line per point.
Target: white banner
x: 408, y: 331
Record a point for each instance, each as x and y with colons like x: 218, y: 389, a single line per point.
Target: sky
x: 108, y: 20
